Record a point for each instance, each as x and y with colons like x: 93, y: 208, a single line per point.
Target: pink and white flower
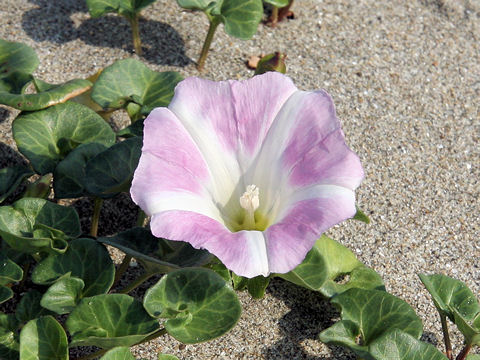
x: 253, y: 171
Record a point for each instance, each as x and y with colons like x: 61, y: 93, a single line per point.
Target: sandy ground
x: 405, y: 78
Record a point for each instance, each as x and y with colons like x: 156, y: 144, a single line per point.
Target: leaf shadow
x: 10, y: 157
x: 4, y: 114
x: 51, y: 21
x: 310, y: 314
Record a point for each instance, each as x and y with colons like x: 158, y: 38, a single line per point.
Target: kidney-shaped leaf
x: 469, y: 327
x: 111, y: 171
x: 31, y: 225
x: 69, y: 175
x: 118, y: 353
x: 9, y: 271
x: 398, y: 345
x: 109, y: 320
x: 130, y: 80
x: 366, y: 315
x: 198, y: 304
x: 29, y: 307
x: 11, y: 178
x: 63, y: 295
x: 55, y: 95
x: 16, y: 57
x: 46, y: 137
x: 43, y: 339
x: 277, y: 3
x: 85, y: 259
x: 9, y: 344
x: 241, y: 18
x: 127, y: 8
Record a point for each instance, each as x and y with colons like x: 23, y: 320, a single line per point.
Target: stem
x: 208, y: 41
x: 141, y: 217
x: 463, y: 354
x: 137, y: 42
x: 136, y: 283
x: 274, y: 16
x: 122, y: 268
x: 285, y: 11
x: 446, y: 337
x: 96, y: 216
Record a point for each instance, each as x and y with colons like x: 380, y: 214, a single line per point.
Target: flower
x: 253, y: 171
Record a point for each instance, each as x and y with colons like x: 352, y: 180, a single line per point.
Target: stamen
x: 250, y: 201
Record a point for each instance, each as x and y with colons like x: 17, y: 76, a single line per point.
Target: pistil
x: 250, y: 201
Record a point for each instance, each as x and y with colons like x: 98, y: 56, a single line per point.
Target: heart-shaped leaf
x: 118, y: 353
x: 448, y: 293
x: 16, y: 58
x: 398, y: 345
x: 11, y: 178
x: 154, y: 254
x: 198, y: 304
x: 108, y: 321
x: 9, y: 342
x: 63, y: 295
x: 325, y: 262
x: 367, y: 315
x: 111, y: 171
x: 43, y: 339
x: 29, y: 307
x: 9, y: 271
x: 32, y: 225
x: 85, y: 259
x: 55, y: 95
x: 130, y: 80
x: 127, y: 8
x: 46, y: 137
x: 69, y: 175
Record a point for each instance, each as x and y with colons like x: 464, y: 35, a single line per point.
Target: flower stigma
x: 250, y: 201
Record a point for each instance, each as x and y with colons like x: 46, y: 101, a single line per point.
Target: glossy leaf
x: 277, y: 3
x: 118, y: 353
x: 16, y: 58
x: 327, y: 261
x: 33, y: 225
x: 127, y: 8
x: 108, y: 321
x: 154, y: 254
x: 398, y: 345
x: 9, y: 271
x: 468, y: 326
x: 11, y: 178
x: 9, y: 342
x: 5, y: 293
x: 55, y: 95
x: 448, y: 294
x: 43, y: 339
x: 197, y: 303
x: 69, y: 175
x: 130, y: 80
x: 46, y: 137
x: 367, y: 315
x: 111, y: 171
x: 85, y: 259
x: 63, y: 295
x: 29, y: 307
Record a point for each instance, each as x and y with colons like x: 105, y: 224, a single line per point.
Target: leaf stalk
x: 214, y: 22
x: 446, y: 337
x: 137, y: 42
x: 96, y: 216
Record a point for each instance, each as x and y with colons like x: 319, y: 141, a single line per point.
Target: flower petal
x: 243, y: 252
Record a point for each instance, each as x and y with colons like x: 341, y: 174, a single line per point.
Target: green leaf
x: 43, y: 339
x: 63, y: 295
x: 56, y: 95
x: 111, y: 171
x: 327, y: 261
x: 194, y: 4
x: 367, y: 315
x: 469, y: 327
x: 127, y: 8
x: 197, y: 303
x: 473, y: 357
x: 257, y: 285
x: 167, y: 357
x: 29, y: 307
x: 16, y: 58
x: 272, y: 62
x: 130, y: 80
x: 241, y: 18
x: 361, y: 216
x: 118, y: 353
x: 448, y: 294
x: 108, y: 321
x: 85, y: 259
x: 135, y: 129
x: 398, y: 345
x: 33, y: 225
x: 5, y: 293
x: 69, y: 175
x: 9, y: 271
x: 40, y: 188
x: 9, y: 342
x: 277, y: 3
x: 46, y: 137
x: 154, y: 254
x: 11, y: 178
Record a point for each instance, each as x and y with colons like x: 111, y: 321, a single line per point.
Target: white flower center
x: 250, y: 201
